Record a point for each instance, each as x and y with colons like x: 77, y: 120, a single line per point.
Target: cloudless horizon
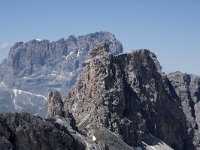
x: 170, y: 29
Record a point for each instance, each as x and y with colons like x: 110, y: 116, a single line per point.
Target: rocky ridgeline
x: 23, y: 131
x: 35, y: 68
x: 119, y: 102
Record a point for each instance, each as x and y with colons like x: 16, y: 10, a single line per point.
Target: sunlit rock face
x: 35, y: 68
x: 129, y: 95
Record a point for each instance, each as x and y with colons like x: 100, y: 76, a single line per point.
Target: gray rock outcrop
x: 23, y: 131
x: 188, y: 89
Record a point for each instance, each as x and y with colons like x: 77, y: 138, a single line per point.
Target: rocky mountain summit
x: 35, y: 68
x: 119, y: 102
x: 129, y: 95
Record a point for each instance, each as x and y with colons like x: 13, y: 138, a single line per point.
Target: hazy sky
x: 170, y: 28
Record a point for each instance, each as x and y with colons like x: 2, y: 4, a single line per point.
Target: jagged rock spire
x: 55, y: 105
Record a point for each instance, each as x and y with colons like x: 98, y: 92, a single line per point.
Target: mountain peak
x: 39, y: 67
x: 127, y: 95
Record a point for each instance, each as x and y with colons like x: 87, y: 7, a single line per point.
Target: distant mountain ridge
x: 41, y: 66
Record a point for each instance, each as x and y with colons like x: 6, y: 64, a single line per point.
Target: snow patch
x: 66, y: 57
x: 2, y: 84
x: 17, y: 92
x: 17, y: 107
x: 153, y: 147
x: 94, y: 138
x: 28, y: 77
x: 159, y: 144
x: 38, y: 40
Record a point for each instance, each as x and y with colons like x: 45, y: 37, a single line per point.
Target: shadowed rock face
x: 128, y: 95
x: 188, y: 89
x: 23, y: 131
x: 35, y: 68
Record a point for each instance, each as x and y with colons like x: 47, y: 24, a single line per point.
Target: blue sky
x: 169, y: 28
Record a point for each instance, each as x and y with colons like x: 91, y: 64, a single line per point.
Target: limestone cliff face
x: 188, y: 89
x: 35, y: 68
x: 129, y: 95
x: 57, y: 62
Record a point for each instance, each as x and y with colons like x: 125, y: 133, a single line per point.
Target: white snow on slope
x: 2, y: 84
x: 17, y: 107
x: 39, y: 40
x: 53, y: 74
x: 66, y: 57
x: 17, y: 92
x: 94, y: 138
